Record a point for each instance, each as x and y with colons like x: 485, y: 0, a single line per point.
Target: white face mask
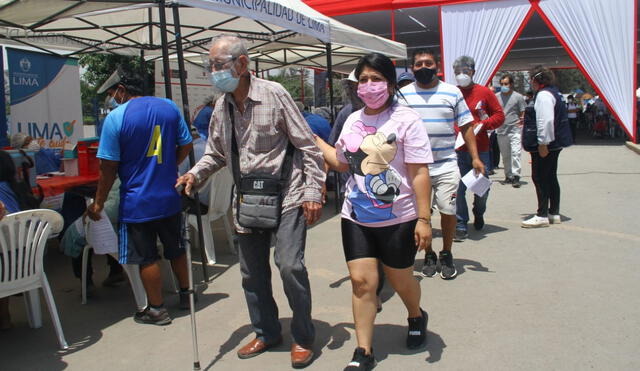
x: 33, y: 146
x: 463, y: 80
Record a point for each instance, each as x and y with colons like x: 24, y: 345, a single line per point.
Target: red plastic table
x: 60, y: 184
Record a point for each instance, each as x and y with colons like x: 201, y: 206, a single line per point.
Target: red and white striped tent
x: 599, y: 37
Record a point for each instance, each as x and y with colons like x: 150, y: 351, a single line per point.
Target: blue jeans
x: 479, y: 203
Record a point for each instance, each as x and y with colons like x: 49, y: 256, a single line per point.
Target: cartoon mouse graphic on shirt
x: 369, y: 153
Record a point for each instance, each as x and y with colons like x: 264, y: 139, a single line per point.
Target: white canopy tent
x: 279, y: 32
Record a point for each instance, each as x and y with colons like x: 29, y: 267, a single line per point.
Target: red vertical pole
x: 393, y: 28
x: 441, y: 43
x: 634, y: 135
x: 393, y: 25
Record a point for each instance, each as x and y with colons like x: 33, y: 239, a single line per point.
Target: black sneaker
x: 516, y: 182
x: 507, y: 180
x: 461, y: 235
x: 361, y: 361
x: 184, y: 299
x: 153, y: 316
x: 417, y: 334
x: 448, y: 271
x: 430, y: 263
x: 478, y: 222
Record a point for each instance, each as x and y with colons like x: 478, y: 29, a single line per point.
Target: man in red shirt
x: 486, y: 110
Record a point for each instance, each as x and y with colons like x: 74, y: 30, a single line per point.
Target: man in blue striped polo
x: 441, y: 106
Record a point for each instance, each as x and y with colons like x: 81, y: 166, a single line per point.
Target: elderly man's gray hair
x: 464, y: 61
x: 235, y: 46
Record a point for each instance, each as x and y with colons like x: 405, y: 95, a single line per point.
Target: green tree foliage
x: 291, y: 80
x: 100, y: 66
x: 88, y: 94
x: 97, y: 68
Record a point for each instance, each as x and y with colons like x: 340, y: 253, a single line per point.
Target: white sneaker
x: 555, y: 219
x: 535, y: 222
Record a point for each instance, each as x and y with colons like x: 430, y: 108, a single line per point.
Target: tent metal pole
x: 256, y: 66
x: 329, y: 76
x: 165, y: 50
x: 333, y: 115
x: 143, y: 73
x: 192, y: 161
x: 302, y: 85
x: 185, y: 110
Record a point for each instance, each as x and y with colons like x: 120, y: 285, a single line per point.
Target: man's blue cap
x: 406, y: 76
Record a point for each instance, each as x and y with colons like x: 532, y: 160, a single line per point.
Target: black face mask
x: 425, y: 75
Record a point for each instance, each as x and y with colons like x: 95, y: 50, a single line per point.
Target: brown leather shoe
x: 255, y: 347
x: 301, y: 357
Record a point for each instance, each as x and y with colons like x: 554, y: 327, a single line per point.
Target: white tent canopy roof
x: 298, y: 38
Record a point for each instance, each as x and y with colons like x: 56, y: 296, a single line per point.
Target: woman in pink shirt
x: 385, y: 215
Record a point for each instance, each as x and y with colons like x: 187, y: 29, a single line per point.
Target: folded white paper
x: 477, y: 184
x: 460, y: 139
x: 101, y: 236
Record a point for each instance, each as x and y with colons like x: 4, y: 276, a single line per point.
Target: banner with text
x: 45, y: 97
x: 292, y: 15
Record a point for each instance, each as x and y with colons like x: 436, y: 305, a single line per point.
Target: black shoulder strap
x: 287, y: 166
x: 235, y: 156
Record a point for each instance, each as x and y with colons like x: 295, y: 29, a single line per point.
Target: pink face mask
x: 374, y: 93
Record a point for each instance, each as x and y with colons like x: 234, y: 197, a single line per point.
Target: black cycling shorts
x: 138, y: 241
x: 394, y: 245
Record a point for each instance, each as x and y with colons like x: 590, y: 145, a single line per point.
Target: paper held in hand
x: 477, y: 184
x: 460, y: 139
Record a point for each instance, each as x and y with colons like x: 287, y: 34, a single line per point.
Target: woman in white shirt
x: 553, y: 134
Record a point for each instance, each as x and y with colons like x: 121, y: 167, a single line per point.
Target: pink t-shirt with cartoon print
x: 377, y: 148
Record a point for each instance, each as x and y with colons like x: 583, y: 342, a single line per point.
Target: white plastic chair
x: 133, y: 273
x: 23, y: 236
x: 221, y: 184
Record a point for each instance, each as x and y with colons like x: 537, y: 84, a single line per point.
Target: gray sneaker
x: 461, y: 235
x: 448, y: 269
x: 153, y: 316
x: 430, y: 263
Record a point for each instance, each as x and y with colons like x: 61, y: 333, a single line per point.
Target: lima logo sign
x: 48, y: 131
x: 24, y: 78
x: 25, y: 65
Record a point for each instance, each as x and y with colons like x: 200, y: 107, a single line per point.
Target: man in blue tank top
x: 143, y: 140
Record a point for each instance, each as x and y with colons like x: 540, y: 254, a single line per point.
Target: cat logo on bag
x: 258, y: 184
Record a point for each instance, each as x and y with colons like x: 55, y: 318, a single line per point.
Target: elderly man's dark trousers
x: 254, y: 251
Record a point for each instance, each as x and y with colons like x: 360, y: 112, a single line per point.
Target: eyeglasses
x: 217, y: 66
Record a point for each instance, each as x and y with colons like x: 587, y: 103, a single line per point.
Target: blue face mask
x: 113, y: 103
x: 505, y: 89
x: 224, y: 81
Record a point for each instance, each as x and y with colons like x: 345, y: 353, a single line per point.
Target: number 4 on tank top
x: 155, y: 146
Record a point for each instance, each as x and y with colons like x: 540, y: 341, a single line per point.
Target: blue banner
x: 31, y: 73
x: 45, y: 97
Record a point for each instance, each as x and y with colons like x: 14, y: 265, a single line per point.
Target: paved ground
x: 562, y: 298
